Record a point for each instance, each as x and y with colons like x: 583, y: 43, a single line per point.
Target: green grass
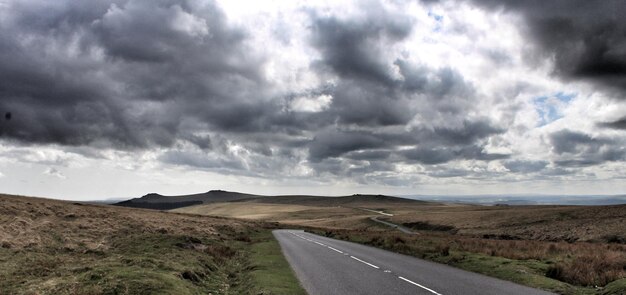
x: 524, y: 272
x: 152, y: 263
x: 272, y: 274
x: 615, y: 288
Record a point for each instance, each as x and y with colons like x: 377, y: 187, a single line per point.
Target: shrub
x: 597, y: 269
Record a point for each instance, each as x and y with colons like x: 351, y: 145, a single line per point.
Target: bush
x: 596, y: 269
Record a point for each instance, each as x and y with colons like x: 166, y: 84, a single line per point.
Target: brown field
x: 35, y: 223
x: 57, y: 247
x: 288, y: 214
x: 543, y: 223
x: 565, y: 249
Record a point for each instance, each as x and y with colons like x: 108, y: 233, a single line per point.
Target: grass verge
x: 235, y: 262
x: 523, y: 268
x: 272, y: 273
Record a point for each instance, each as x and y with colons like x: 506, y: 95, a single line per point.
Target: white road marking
x: 331, y: 248
x: 374, y: 266
x: 316, y: 242
x: 379, y: 212
x: 416, y: 284
x: 387, y: 271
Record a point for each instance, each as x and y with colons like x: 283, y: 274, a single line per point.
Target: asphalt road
x: 329, y: 266
x: 401, y: 228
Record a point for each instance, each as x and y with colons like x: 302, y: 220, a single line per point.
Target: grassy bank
x: 52, y: 247
x: 272, y: 273
x: 560, y: 267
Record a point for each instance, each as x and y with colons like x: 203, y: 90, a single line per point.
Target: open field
x: 565, y: 249
x: 56, y: 247
x: 288, y: 214
x: 330, y: 212
x: 545, y: 223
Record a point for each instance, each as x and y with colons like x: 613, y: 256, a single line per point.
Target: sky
x: 116, y: 99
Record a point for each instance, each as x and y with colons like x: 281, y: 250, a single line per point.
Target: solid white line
x: 331, y: 248
x: 374, y: 266
x: 416, y: 284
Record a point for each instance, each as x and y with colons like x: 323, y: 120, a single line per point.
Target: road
x: 329, y: 266
x: 401, y: 228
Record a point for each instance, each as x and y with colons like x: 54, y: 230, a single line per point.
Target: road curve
x: 329, y: 266
x: 401, y: 228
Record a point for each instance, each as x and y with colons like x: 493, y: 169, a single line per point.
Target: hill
x: 58, y: 247
x: 161, y: 202
x: 354, y: 200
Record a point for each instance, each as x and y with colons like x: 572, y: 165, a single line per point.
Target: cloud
x: 355, y: 48
x: 575, y: 149
x: 336, y: 143
x: 130, y: 74
x: 584, y: 38
x: 617, y: 124
x: 525, y: 166
x: 386, y: 92
x: 54, y: 173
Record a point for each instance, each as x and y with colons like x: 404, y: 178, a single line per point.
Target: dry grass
x: 289, y: 214
x: 545, y: 223
x: 56, y: 247
x: 39, y: 223
x: 597, y: 268
x: 581, y: 264
x: 243, y: 210
x: 577, y: 245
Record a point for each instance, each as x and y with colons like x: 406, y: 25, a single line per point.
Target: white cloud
x: 486, y: 48
x: 188, y: 23
x: 311, y: 104
x: 54, y: 173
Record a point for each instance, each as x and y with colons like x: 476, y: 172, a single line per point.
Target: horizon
x: 114, y: 99
x: 539, y: 199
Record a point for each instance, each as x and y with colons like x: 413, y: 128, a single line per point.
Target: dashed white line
x: 416, y: 284
x: 374, y: 266
x: 365, y: 262
x: 331, y: 248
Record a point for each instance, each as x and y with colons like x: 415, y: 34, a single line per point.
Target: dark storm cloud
x: 335, y: 143
x: 353, y: 48
x: 369, y: 155
x: 136, y: 74
x: 199, y: 160
x: 432, y: 155
x: 368, y: 93
x: 618, y: 124
x: 176, y: 77
x: 127, y: 74
x: 575, y: 149
x: 431, y: 146
x: 585, y: 38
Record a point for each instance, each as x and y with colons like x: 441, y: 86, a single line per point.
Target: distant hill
x: 161, y: 202
x: 323, y: 201
x: 579, y: 200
